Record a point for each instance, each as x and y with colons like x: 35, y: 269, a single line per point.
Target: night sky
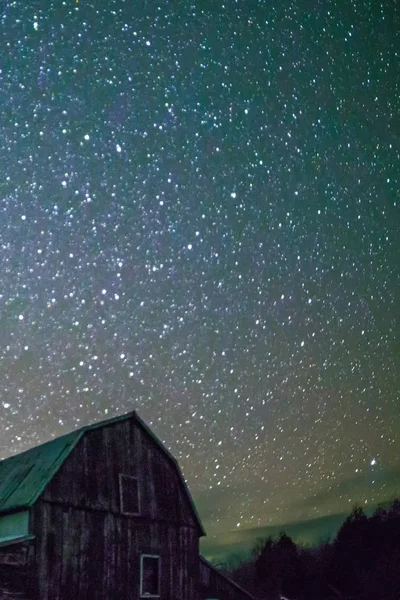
x: 199, y: 220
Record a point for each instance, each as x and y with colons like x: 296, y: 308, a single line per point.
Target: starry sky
x: 199, y: 220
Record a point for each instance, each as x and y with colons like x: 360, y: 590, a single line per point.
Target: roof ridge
x: 73, y: 432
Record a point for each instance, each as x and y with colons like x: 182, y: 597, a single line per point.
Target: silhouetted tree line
x: 361, y: 563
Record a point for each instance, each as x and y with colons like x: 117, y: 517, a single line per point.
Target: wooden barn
x: 102, y: 513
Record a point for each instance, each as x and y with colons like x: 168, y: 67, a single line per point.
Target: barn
x: 102, y: 513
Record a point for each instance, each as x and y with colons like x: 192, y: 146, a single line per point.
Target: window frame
x: 145, y: 595
x: 121, y: 495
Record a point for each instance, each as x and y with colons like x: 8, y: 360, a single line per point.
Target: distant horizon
x: 310, y: 533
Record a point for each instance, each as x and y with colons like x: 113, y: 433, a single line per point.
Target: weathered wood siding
x: 89, y: 476
x: 85, y: 547
x: 215, y: 585
x: 91, y: 553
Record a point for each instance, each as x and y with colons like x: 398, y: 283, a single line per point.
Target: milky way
x: 199, y: 221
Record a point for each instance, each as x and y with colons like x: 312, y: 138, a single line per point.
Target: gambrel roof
x: 23, y: 477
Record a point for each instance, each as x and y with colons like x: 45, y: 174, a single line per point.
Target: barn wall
x: 89, y: 476
x: 15, y: 572
x: 91, y: 553
x: 85, y: 547
x: 215, y: 585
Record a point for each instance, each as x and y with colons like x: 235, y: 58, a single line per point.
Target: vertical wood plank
x: 95, y: 550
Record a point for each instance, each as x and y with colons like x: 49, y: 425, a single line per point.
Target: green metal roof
x: 24, y: 476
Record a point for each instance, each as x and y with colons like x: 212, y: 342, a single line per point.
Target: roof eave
x: 16, y: 540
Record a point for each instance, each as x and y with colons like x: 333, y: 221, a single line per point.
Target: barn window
x: 129, y: 494
x: 149, y: 575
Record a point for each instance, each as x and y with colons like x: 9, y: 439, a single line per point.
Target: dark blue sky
x: 199, y: 220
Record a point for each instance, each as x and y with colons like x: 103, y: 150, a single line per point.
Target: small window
x: 129, y: 494
x: 149, y: 576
